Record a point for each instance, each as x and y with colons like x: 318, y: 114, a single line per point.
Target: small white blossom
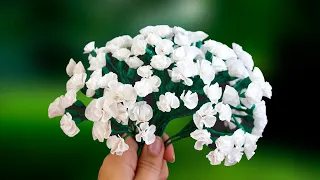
x: 218, y: 64
x: 218, y: 49
x: 117, y: 145
x: 126, y: 93
x: 89, y: 47
x: 245, y: 57
x: 230, y: 96
x: 76, y: 82
x: 68, y: 126
x: 55, y: 108
x: 122, y: 54
x: 239, y: 138
x: 203, y: 137
x: 206, y: 71
x: 160, y: 30
x: 140, y: 112
x: 101, y: 130
x: 213, y: 92
x: 225, y: 144
x: 164, y: 47
x: 183, y: 71
x: 106, y: 79
x: 145, y: 71
x: 118, y: 42
x: 134, y: 62
x: 205, y: 116
x: 250, y: 145
x: 97, y: 62
x: 68, y: 99
x: 224, y: 111
x: 110, y: 109
x: 138, y: 47
x: 215, y: 157
x: 70, y: 67
x: 234, y: 156
x: 168, y: 101
x: 187, y: 53
x: 93, y: 82
x: 256, y: 75
x: 254, y: 93
x: 155, y: 83
x: 160, y: 62
x: 123, y: 116
x: 143, y: 87
x: 146, y: 133
x: 94, y: 110
x: 153, y: 39
x: 189, y: 99
x: 236, y: 68
x: 267, y: 90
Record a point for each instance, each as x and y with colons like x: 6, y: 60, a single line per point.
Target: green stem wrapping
x: 217, y: 132
x: 237, y: 123
x: 247, y: 118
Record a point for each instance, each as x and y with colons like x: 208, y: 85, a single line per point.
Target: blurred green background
x: 38, y: 38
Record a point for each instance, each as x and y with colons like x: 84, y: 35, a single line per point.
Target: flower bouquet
x: 139, y: 85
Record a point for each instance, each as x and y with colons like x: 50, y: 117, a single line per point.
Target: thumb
x: 150, y: 161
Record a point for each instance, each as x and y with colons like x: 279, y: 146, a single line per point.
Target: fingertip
x: 169, y: 154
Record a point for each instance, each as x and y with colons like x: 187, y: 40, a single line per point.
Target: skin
x: 151, y: 165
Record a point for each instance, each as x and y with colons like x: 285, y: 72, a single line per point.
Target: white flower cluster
x: 138, y: 85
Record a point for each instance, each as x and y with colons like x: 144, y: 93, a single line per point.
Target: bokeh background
x: 37, y: 39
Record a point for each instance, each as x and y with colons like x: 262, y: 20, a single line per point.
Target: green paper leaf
x: 208, y: 56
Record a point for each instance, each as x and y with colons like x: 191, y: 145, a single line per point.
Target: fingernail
x: 174, y: 158
x: 155, y: 147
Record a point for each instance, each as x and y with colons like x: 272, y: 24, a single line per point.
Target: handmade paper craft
x: 138, y: 85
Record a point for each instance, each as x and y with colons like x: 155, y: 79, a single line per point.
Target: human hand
x: 151, y: 165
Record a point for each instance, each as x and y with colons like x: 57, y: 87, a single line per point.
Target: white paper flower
x: 167, y: 101
x: 239, y: 138
x: 117, y: 145
x: 106, y: 79
x: 245, y: 57
x: 123, y: 116
x: 94, y: 110
x: 122, y: 54
x: 224, y: 111
x: 97, y: 62
x: 215, y: 157
x: 110, y: 109
x: 234, y: 156
x: 254, y: 93
x: 145, y: 71
x: 256, y: 75
x: 205, y: 116
x: 203, y: 137
x: 187, y: 53
x: 189, y: 99
x: 70, y: 67
x: 267, y: 90
x: 250, y: 145
x: 76, y: 82
x: 153, y: 39
x: 155, y: 83
x: 55, y: 108
x: 183, y: 71
x: 160, y: 62
x: 218, y: 64
x: 213, y: 92
x: 140, y: 112
x: 134, y: 62
x: 68, y: 99
x: 236, y: 68
x: 206, y: 71
x: 164, y: 47
x: 160, y: 30
x: 225, y: 144
x: 126, y: 93
x: 101, y: 130
x: 230, y: 96
x: 143, y: 87
x: 218, y: 49
x: 68, y: 126
x: 118, y: 42
x: 89, y: 47
x: 146, y: 133
x: 138, y: 47
x: 93, y: 83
